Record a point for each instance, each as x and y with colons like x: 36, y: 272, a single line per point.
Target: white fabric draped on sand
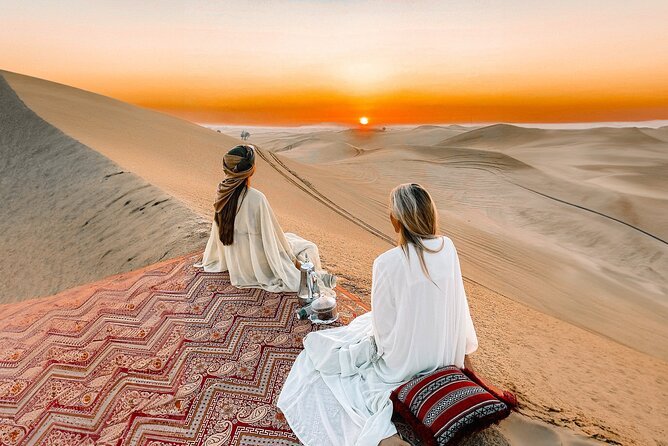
x: 337, y: 392
x: 261, y: 256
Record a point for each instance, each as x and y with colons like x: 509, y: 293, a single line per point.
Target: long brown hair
x: 239, y: 166
x: 416, y: 213
x: 225, y: 218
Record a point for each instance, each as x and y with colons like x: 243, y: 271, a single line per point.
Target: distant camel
x: 244, y: 135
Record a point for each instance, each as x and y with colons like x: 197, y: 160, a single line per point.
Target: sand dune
x: 629, y: 162
x: 184, y: 160
x: 661, y: 133
x: 313, y: 149
x: 514, y: 219
x: 330, y: 146
x: 71, y: 216
x: 507, y: 136
x: 496, y: 136
x: 564, y: 375
x: 122, y: 132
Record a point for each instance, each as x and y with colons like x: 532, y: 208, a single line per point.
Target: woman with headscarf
x: 338, y: 390
x: 246, y: 239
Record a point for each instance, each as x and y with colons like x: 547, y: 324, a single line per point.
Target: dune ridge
x: 500, y: 136
x: 184, y: 160
x: 72, y: 216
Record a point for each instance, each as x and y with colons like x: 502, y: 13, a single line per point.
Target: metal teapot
x: 309, y: 290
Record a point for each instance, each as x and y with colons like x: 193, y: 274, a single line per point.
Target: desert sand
x: 540, y: 294
x: 71, y: 216
x: 571, y: 216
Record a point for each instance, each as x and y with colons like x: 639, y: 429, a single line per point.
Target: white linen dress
x: 261, y: 256
x: 337, y: 392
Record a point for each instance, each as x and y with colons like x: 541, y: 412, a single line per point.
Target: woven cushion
x: 446, y: 404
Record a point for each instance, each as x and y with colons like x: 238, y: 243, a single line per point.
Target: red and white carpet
x: 168, y: 355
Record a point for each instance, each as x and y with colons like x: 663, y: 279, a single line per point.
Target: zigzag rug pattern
x: 168, y: 355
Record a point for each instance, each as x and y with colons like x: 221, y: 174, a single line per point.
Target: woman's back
x: 420, y: 323
x: 246, y: 239
x: 248, y: 219
x: 260, y: 252
x: 261, y: 255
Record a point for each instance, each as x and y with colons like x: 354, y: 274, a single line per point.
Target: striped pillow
x: 445, y: 404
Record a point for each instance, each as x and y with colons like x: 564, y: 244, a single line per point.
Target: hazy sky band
x: 330, y: 61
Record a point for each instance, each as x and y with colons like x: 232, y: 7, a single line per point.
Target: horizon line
x: 652, y: 123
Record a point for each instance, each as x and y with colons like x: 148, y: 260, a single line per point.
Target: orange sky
x: 298, y: 62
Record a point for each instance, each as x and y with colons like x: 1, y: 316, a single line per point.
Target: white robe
x: 337, y: 392
x: 261, y: 256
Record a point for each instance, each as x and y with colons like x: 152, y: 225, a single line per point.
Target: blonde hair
x: 416, y: 213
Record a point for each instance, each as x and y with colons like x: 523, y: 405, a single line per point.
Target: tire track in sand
x: 308, y: 188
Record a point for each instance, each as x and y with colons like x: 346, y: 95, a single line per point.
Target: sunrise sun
x: 364, y: 120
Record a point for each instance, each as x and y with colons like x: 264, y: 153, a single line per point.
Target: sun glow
x: 364, y: 120
x: 402, y: 63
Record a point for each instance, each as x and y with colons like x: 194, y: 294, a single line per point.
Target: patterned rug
x: 168, y: 355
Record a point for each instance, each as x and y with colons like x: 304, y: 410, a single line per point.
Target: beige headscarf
x: 238, y: 165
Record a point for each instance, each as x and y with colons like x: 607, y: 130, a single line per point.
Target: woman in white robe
x: 252, y: 246
x: 337, y: 392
